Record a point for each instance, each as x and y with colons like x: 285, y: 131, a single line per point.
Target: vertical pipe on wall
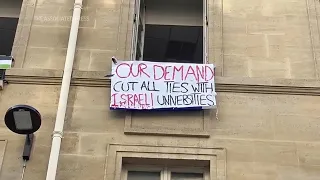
x: 64, y: 93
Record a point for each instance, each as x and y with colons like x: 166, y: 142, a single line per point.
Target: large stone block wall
x: 48, y: 29
x: 279, y: 140
x: 265, y: 136
x: 247, y: 38
x: 270, y: 38
x: 260, y: 132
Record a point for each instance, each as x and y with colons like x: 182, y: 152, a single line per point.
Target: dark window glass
x: 8, y: 28
x: 136, y: 175
x: 173, y: 50
x: 187, y: 51
x: 166, y: 43
x: 186, y: 176
x: 154, y: 49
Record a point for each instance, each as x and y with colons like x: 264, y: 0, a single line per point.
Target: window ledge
x: 166, y: 132
x: 205, y: 122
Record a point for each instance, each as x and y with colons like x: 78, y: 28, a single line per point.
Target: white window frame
x: 165, y: 172
x: 135, y: 30
x: 138, y: 17
x: 205, y: 32
x: 142, y: 20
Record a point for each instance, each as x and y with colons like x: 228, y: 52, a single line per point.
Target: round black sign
x: 23, y: 119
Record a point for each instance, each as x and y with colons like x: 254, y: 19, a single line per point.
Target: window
x: 140, y: 175
x: 170, y: 31
x: 186, y: 176
x: 166, y: 173
x: 9, y: 16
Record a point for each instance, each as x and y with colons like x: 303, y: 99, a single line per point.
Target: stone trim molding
x: 116, y: 152
x: 129, y: 128
x: 163, y: 132
x: 309, y: 87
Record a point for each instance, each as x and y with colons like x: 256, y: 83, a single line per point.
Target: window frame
x: 205, y: 32
x: 136, y: 23
x: 10, y: 32
x: 138, y: 18
x: 142, y: 21
x: 165, y: 171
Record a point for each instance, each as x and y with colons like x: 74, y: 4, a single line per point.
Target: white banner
x: 153, y: 85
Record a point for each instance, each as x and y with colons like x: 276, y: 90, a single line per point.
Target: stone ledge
x: 268, y: 81
x: 39, y: 73
x: 204, y: 132
x: 90, y: 74
x: 34, y: 76
x: 223, y: 84
x: 165, y: 132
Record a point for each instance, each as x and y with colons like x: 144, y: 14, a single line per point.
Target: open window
x: 170, y: 31
x: 9, y: 17
x: 138, y: 30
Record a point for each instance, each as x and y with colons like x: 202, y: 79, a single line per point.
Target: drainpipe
x: 64, y: 93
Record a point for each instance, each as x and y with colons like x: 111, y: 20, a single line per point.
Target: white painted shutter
x: 205, y: 32
x: 139, y: 14
x: 135, y: 30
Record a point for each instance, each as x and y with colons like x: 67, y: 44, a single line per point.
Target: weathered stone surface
x: 81, y: 167
x: 42, y: 36
x: 281, y: 29
x: 44, y: 99
x: 38, y: 163
x: 168, y: 120
x: 94, y: 97
x: 94, y: 119
x: 101, y: 39
x: 308, y: 154
x: 265, y: 136
x: 12, y: 163
x: 70, y: 143
x: 82, y: 59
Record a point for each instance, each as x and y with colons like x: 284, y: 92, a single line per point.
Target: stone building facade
x: 267, y: 122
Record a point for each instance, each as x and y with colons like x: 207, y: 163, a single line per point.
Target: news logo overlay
x: 140, y: 85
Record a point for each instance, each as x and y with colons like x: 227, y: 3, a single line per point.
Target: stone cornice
x: 223, y: 84
x: 264, y: 89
